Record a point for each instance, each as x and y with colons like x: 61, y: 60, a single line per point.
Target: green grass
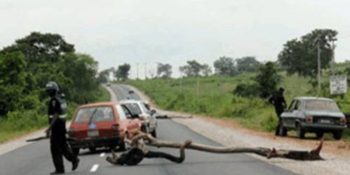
x: 19, y: 123
x: 103, y: 95
x: 212, y: 96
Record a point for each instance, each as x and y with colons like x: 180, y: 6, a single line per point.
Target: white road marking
x: 102, y: 154
x: 94, y: 168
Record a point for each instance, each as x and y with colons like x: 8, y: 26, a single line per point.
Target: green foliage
x: 205, y: 70
x: 12, y: 80
x: 225, y: 66
x: 25, y: 68
x: 267, y: 79
x: 212, y: 97
x: 230, y: 67
x: 122, y: 72
x: 247, y: 90
x: 193, y: 68
x: 247, y: 64
x: 40, y: 48
x: 300, y: 56
x: 164, y: 70
x: 103, y: 76
x: 80, y: 88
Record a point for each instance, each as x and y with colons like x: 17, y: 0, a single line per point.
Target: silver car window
x: 134, y: 108
x: 121, y: 113
x: 291, y: 106
x: 144, y: 108
x: 297, y: 105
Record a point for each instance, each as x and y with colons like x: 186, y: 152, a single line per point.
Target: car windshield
x: 94, y: 114
x: 134, y: 108
x: 322, y: 105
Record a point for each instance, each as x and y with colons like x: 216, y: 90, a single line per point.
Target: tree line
x: 223, y: 66
x: 29, y: 63
x: 298, y: 56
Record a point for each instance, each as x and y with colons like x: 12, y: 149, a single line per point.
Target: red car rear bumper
x: 95, y: 142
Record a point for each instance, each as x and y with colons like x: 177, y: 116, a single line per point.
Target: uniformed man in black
x: 57, y: 132
x: 280, y: 104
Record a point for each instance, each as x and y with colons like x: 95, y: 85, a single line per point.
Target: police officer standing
x: 280, y: 104
x: 57, y: 130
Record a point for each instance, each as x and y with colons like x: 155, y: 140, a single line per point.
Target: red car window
x: 94, y: 114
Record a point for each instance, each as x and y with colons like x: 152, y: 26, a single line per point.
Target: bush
x: 246, y: 90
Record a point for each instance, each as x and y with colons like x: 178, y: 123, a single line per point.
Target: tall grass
x: 213, y: 96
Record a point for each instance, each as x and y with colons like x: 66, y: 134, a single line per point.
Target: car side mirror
x: 153, y: 111
x: 135, y: 116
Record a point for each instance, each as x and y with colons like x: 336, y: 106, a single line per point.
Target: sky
x: 145, y: 32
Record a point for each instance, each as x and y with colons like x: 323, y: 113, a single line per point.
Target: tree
x: 225, y: 66
x: 205, y: 70
x: 103, y: 76
x: 300, y: 56
x: 267, y: 79
x: 12, y: 80
x: 41, y: 52
x: 247, y: 64
x: 192, y: 68
x: 122, y: 72
x: 39, y: 48
x: 164, y: 70
x: 27, y: 65
x: 79, y: 87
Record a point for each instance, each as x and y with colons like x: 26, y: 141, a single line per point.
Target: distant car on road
x: 103, y: 124
x: 312, y: 114
x: 141, y: 108
x: 108, y: 84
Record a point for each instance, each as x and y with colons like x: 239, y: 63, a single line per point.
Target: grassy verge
x: 213, y: 96
x: 19, y: 123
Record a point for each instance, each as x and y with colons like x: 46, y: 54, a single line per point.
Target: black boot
x: 75, y: 164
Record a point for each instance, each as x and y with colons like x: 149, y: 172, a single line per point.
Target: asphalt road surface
x: 35, y: 159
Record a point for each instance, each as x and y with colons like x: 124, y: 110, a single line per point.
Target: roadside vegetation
x: 27, y: 65
x: 239, y: 88
x: 213, y: 96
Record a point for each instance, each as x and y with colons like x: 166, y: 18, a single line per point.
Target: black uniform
x: 278, y: 101
x: 59, y: 146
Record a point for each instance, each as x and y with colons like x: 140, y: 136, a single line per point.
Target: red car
x: 103, y: 124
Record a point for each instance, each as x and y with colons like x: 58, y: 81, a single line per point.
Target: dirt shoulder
x: 229, y: 132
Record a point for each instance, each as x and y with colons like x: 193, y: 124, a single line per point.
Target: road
x: 35, y: 159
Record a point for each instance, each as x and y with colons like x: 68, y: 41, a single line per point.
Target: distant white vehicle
x: 141, y: 108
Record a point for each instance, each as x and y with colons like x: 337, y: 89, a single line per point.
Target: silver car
x: 312, y: 114
x: 140, y: 108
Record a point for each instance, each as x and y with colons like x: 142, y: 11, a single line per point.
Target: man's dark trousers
x: 59, y: 146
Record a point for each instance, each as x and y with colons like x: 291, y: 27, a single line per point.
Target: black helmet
x: 52, y: 86
x: 281, y: 89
